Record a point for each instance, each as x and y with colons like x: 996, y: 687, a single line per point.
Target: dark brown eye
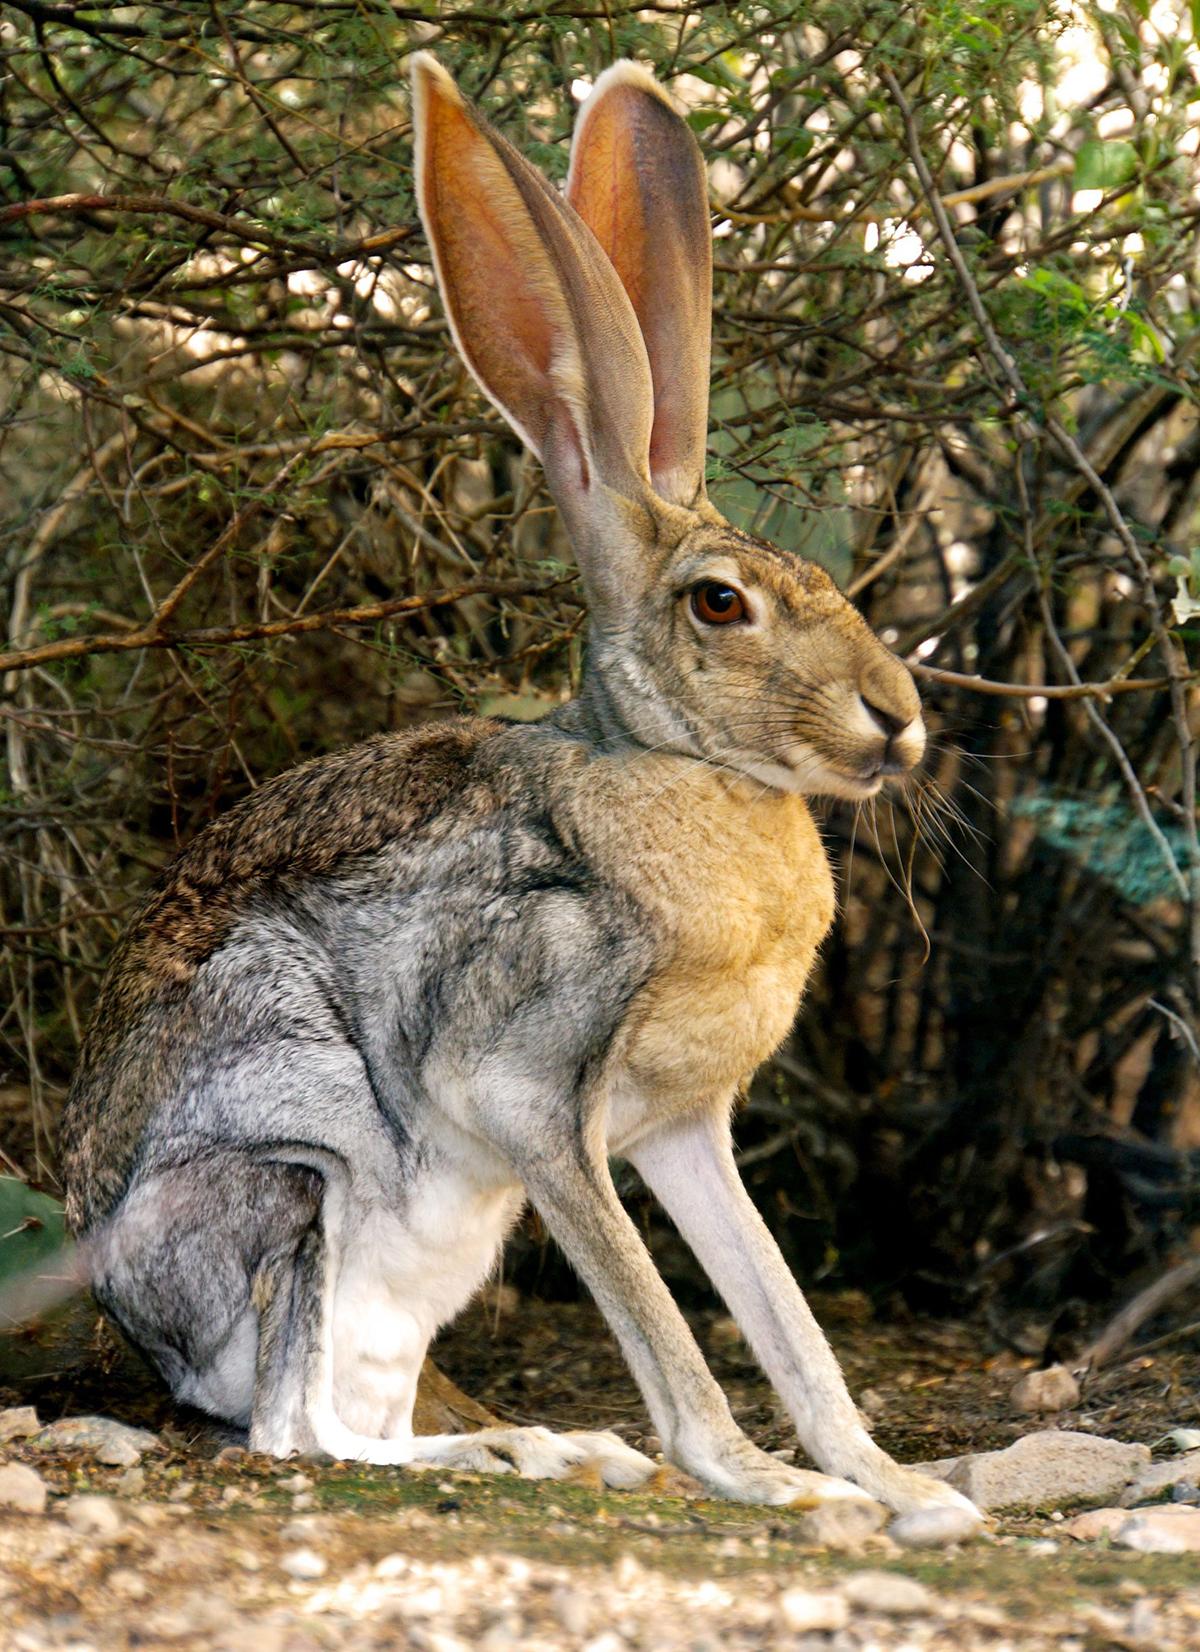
x: 718, y: 604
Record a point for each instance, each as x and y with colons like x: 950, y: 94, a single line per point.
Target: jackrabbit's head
x: 587, y: 323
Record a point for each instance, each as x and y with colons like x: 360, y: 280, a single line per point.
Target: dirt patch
x: 205, y: 1545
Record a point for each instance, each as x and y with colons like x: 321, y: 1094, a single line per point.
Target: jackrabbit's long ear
x: 536, y: 309
x: 637, y: 180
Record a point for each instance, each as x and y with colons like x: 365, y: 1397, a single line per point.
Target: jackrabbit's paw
x: 617, y: 1464
x: 536, y: 1454
x: 930, y: 1513
x: 746, y: 1475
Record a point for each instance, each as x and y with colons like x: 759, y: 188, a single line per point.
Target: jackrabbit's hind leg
x: 393, y: 1293
x: 293, y: 1386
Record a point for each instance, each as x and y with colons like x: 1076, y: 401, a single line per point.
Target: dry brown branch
x: 1043, y: 691
x: 986, y: 191
x: 246, y: 231
x: 226, y: 636
x: 1148, y: 1302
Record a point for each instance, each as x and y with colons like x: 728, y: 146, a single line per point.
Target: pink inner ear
x: 492, y: 269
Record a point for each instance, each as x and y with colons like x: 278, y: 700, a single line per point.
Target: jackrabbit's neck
x: 614, y: 711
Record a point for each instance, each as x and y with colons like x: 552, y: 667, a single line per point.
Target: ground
x: 207, y: 1546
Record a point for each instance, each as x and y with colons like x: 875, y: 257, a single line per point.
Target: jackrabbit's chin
x: 805, y: 772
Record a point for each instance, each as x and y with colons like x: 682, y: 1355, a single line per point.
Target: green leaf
x: 1104, y: 163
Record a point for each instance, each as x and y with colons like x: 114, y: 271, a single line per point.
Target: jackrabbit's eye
x: 718, y: 604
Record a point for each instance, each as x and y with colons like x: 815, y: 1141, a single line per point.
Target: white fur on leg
x: 689, y: 1165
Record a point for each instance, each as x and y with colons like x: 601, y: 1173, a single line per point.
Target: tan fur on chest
x: 739, y: 886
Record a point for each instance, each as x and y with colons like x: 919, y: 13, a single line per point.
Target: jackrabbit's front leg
x: 575, y: 1195
x: 689, y: 1166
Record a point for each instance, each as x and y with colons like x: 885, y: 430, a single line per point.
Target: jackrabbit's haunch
x: 400, y: 990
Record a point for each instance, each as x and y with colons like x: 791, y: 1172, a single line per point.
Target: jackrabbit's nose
x: 904, y: 736
x: 888, y: 721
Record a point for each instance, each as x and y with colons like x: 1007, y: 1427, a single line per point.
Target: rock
x: 99, y: 1437
x: 844, y: 1523
x: 18, y: 1423
x: 572, y: 1609
x: 94, y: 1516
x: 304, y: 1563
x: 22, y: 1489
x: 933, y: 1528
x: 802, y: 1610
x: 1172, y: 1528
x: 1053, y: 1389
x: 1094, y: 1523
x: 1155, y: 1478
x: 1043, y: 1470
x: 887, y: 1592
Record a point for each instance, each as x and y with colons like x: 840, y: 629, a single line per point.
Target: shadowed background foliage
x: 252, y: 508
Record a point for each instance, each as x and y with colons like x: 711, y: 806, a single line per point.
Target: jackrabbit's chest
x: 739, y: 892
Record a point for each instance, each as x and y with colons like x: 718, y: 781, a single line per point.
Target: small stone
x: 1053, y: 1389
x: 1043, y: 1546
x: 1143, y: 1627
x: 572, y: 1610
x: 93, y: 1516
x: 304, y: 1563
x: 127, y: 1584
x: 803, y: 1610
x: 181, y: 1492
x: 504, y: 1636
x: 841, y: 1523
x: 299, y: 1531
x: 22, y: 1489
x: 887, y: 1592
x: 296, y: 1482
x: 132, y: 1483
x: 18, y: 1423
x: 1172, y: 1528
x: 107, y: 1441
x: 872, y: 1402
x: 934, y: 1528
x: 1093, y: 1523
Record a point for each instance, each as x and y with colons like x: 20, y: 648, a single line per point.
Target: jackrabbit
x: 401, y: 989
